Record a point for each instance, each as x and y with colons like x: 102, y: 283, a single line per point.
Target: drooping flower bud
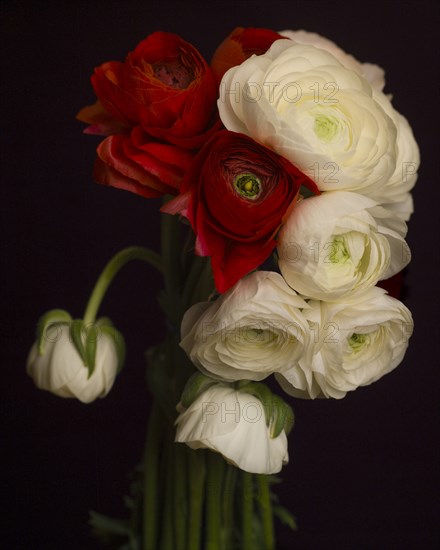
x: 71, y: 359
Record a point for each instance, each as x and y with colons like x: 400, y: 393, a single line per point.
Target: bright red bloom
x: 235, y: 196
x: 164, y: 85
x: 140, y: 164
x: 239, y: 45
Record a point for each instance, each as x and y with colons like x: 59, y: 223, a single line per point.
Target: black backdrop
x: 364, y: 470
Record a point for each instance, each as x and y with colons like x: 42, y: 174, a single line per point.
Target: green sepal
x: 305, y: 192
x: 262, y: 393
x: 195, y: 386
x: 282, y: 417
x: 90, y: 348
x: 76, y: 332
x: 279, y: 415
x: 86, y: 343
x: 118, y: 341
x: 289, y: 421
x: 241, y: 384
x: 104, y: 321
x: 59, y: 316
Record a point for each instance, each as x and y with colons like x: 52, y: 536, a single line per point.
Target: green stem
x: 171, y: 251
x: 167, y: 527
x: 213, y: 501
x: 194, y: 280
x: 180, y: 496
x: 151, y: 471
x: 266, y: 513
x: 110, y: 271
x: 247, y: 511
x: 197, y: 473
x: 172, y: 267
x: 228, y: 500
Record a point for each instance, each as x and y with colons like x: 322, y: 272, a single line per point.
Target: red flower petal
x: 103, y: 173
x: 235, y: 230
x: 164, y: 85
x: 239, y: 46
x: 128, y: 162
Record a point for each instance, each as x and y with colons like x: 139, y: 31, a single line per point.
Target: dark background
x: 364, y: 471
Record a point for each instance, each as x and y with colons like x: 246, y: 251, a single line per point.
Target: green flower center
x: 258, y: 336
x: 338, y: 251
x: 248, y: 186
x: 357, y: 341
x: 326, y: 127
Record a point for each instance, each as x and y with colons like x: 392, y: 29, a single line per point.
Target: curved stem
x: 266, y: 513
x: 110, y: 271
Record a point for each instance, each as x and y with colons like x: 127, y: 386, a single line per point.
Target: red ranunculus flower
x: 235, y: 196
x: 140, y: 164
x: 239, y: 45
x: 164, y: 85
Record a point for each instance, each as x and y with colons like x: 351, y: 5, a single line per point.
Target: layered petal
x: 235, y: 196
x: 253, y: 330
x: 357, y: 341
x: 233, y: 424
x: 333, y: 246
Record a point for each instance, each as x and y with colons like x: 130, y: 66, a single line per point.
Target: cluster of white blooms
x: 322, y: 327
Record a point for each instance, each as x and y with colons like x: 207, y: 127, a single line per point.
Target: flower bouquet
x: 285, y: 176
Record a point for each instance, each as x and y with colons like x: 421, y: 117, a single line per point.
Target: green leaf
x: 117, y: 533
x: 285, y: 517
x: 52, y: 317
x: 115, y: 526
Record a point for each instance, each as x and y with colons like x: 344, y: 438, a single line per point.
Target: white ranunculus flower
x: 371, y: 72
x: 60, y: 369
x: 331, y: 245
x: 233, y: 423
x: 251, y: 331
x: 395, y: 194
x: 301, y: 102
x: 356, y: 343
